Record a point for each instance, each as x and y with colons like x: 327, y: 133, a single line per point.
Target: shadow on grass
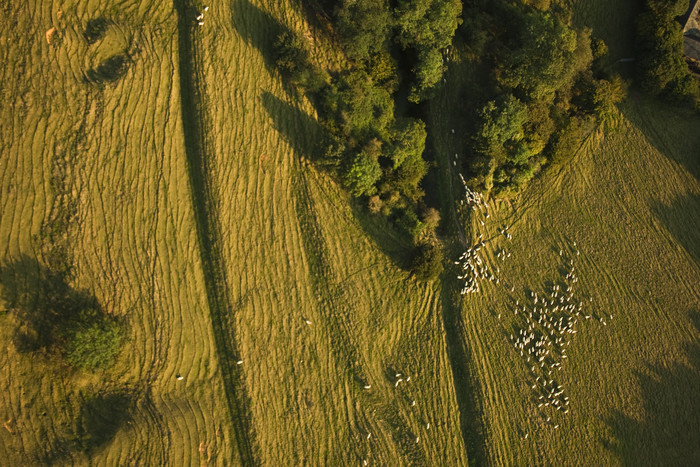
x: 470, y: 412
x: 298, y: 128
x: 669, y: 433
x: 682, y: 219
x: 101, y: 416
x: 110, y: 70
x: 95, y: 421
x: 95, y: 29
x: 679, y: 143
x: 194, y: 121
x: 303, y: 133
x: 46, y: 306
x: 257, y: 28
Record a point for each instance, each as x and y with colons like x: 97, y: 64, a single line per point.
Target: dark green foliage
x: 364, y: 26
x: 363, y: 109
x: 427, y: 260
x: 408, y: 221
x: 408, y: 140
x: 544, y: 90
x: 293, y: 59
x: 427, y: 27
x: 374, y: 153
x: 427, y: 23
x: 598, y: 97
x: 501, y: 124
x: 291, y: 53
x: 540, y: 58
x: 662, y: 67
x: 427, y: 71
x: 93, y: 341
x: 407, y: 177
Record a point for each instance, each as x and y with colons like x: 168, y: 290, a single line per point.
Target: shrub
x: 427, y: 261
x: 431, y: 218
x: 375, y: 204
x: 364, y: 26
x: 93, y: 342
x: 291, y: 53
x: 408, y: 221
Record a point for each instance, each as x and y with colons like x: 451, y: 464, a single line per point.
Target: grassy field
x: 629, y: 200
x: 94, y: 175
x: 297, y: 249
x: 163, y: 167
x: 163, y: 171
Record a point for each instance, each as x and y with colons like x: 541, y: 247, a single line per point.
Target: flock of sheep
x: 539, y: 330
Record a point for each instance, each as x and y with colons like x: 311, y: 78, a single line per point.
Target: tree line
x: 541, y: 92
x: 662, y: 68
x: 394, y: 56
x: 539, y: 86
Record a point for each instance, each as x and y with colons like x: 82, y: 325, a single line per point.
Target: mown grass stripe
x: 208, y: 231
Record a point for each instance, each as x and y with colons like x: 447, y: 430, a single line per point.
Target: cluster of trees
x: 372, y: 29
x: 395, y: 55
x: 542, y: 91
x: 661, y: 67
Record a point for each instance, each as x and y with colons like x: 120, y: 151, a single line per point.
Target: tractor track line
x: 209, y: 233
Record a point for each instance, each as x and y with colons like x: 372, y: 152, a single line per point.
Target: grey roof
x: 692, y: 25
x: 691, y: 47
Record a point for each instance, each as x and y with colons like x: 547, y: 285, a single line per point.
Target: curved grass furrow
x: 391, y: 301
x: 119, y: 248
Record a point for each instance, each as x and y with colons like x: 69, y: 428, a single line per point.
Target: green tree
x: 93, y: 341
x: 363, y: 174
x: 427, y: 260
x: 364, y: 26
x: 427, y: 72
x: 408, y: 140
x: 427, y: 27
x: 502, y: 123
x: 662, y: 67
x: 364, y: 109
x: 291, y: 53
x: 541, y: 56
x: 427, y: 23
x: 406, y: 179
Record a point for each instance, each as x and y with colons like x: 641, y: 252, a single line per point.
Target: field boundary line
x: 208, y: 228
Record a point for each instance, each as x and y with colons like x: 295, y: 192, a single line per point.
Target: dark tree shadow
x: 471, y: 415
x: 670, y: 139
x: 101, y: 416
x: 48, y: 310
x: 682, y: 219
x: 96, y: 420
x: 257, y: 28
x: 304, y: 134
x: 109, y: 70
x: 669, y: 433
x: 43, y: 301
x: 95, y: 29
x: 298, y: 128
x: 319, y: 15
